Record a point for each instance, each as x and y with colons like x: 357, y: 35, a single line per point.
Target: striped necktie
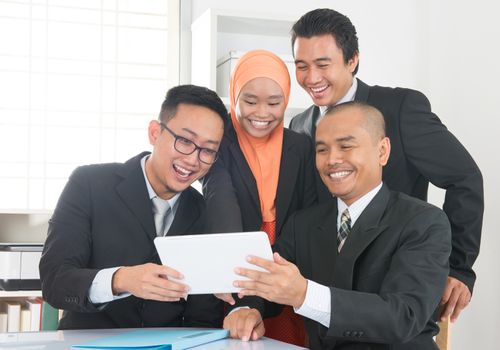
x: 344, y: 229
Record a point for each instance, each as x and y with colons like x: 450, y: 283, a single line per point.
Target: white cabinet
x: 19, y: 267
x: 21, y: 230
x: 219, y: 37
x: 20, y: 294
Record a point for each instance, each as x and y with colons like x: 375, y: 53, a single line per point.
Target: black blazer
x: 423, y: 151
x: 387, y: 280
x: 104, y: 219
x: 231, y: 193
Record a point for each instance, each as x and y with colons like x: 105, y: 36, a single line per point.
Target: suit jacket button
x: 354, y: 334
x: 347, y: 334
x: 361, y: 333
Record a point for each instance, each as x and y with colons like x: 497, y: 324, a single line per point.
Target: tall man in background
x: 99, y: 263
x: 325, y: 48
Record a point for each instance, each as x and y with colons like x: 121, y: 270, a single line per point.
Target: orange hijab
x: 262, y: 155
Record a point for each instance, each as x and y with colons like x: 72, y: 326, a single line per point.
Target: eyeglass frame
x: 196, y: 147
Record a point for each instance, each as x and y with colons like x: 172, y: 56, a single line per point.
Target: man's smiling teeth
x: 319, y: 89
x: 340, y: 174
x: 183, y: 172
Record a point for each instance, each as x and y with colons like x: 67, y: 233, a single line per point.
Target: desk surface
x: 59, y: 340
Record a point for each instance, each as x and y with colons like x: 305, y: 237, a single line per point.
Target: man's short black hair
x: 327, y: 21
x: 192, y: 95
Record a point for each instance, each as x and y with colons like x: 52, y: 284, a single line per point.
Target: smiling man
x: 99, y: 262
x: 366, y: 270
x: 325, y: 47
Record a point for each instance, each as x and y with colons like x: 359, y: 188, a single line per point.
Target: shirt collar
x: 356, y: 208
x: 152, y: 194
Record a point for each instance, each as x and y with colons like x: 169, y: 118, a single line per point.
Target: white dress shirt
x: 317, y: 303
x: 101, y: 290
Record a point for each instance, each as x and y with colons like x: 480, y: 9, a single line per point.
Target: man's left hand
x: 281, y: 282
x: 455, y: 298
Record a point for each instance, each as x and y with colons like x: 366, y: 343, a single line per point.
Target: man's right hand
x: 149, y: 281
x: 245, y: 324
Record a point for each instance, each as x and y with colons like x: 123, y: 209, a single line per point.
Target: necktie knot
x: 344, y: 229
x: 161, y: 209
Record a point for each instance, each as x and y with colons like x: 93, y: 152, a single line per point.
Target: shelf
x: 254, y: 24
x: 219, y: 33
x: 26, y: 211
x: 20, y: 294
x: 220, y: 37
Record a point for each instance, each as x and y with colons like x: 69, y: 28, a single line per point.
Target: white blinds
x: 79, y: 81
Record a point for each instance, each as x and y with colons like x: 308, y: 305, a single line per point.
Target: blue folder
x: 156, y: 339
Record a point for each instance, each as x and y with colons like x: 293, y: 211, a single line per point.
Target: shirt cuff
x: 101, y: 291
x: 317, y: 303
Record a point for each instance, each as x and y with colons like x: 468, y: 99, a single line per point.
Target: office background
x: 447, y: 49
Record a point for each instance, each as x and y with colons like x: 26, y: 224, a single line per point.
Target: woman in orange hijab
x: 264, y: 172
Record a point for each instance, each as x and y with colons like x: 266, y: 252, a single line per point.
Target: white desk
x: 59, y: 340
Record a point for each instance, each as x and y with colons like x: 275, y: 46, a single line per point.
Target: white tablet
x: 208, y: 261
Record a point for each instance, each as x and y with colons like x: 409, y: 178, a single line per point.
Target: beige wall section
x: 463, y: 87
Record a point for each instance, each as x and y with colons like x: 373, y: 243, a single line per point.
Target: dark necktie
x: 344, y: 229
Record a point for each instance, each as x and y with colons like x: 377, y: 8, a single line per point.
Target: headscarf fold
x: 262, y: 155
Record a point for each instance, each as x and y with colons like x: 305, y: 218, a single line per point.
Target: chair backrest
x: 443, y: 337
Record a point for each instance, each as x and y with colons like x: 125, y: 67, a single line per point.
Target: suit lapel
x: 365, y: 230
x: 133, y: 191
x: 288, y: 175
x: 305, y: 122
x: 326, y: 243
x: 312, y: 120
x: 362, y: 92
x: 185, y: 216
x: 243, y: 168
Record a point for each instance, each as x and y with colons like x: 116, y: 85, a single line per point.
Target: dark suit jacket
x: 387, y: 280
x: 231, y: 193
x: 423, y: 151
x: 104, y: 219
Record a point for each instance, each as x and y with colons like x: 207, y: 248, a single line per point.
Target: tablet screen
x: 207, y: 261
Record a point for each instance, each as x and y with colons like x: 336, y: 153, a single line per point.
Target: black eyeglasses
x: 185, y: 146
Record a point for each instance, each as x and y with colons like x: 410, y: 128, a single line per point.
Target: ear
x: 384, y: 148
x: 154, y: 130
x: 353, y: 62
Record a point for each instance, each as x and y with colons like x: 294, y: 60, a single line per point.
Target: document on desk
x: 208, y: 261
x: 156, y: 339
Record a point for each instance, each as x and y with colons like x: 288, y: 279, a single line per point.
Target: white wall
x: 449, y: 50
x: 464, y: 70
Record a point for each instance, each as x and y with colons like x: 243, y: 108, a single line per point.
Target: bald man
x: 367, y: 270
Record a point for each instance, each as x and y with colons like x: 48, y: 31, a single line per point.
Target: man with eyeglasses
x: 99, y: 262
